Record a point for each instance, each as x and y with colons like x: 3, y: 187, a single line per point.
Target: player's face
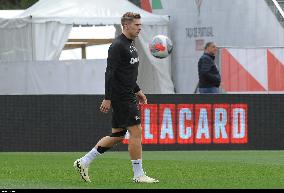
x: 134, y: 28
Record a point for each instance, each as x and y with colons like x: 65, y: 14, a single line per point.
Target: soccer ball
x: 161, y: 46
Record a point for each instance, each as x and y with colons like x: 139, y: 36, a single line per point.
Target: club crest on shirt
x: 132, y: 49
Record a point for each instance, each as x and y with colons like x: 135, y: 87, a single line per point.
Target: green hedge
x: 16, y: 4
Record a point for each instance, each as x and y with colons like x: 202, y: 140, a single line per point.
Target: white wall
x: 52, y: 77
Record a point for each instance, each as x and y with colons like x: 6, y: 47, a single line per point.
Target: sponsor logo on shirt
x: 134, y: 60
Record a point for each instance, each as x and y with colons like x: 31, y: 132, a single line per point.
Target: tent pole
x: 84, y: 55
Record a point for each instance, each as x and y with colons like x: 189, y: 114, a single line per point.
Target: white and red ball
x: 161, y: 46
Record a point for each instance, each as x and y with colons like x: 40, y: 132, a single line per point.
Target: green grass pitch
x: 175, y: 170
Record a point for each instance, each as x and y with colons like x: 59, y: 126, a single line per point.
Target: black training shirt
x: 122, y: 70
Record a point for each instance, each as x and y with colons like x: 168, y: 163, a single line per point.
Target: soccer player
x: 122, y: 93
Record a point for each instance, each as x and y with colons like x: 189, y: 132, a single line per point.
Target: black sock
x: 102, y: 150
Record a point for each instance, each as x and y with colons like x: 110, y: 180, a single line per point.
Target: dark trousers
x: 212, y: 90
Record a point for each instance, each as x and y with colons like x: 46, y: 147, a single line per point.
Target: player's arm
x: 112, y: 64
x: 142, y: 99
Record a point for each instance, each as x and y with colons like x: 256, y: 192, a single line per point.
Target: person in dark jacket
x: 209, y: 76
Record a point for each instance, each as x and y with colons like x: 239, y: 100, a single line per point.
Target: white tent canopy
x: 10, y: 13
x: 93, y: 12
x: 40, y: 33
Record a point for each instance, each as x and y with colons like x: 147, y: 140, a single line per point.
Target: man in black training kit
x: 121, y: 93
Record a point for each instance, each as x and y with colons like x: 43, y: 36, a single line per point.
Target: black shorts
x: 125, y: 114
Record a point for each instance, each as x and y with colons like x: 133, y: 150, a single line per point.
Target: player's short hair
x: 129, y: 17
x: 208, y: 44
